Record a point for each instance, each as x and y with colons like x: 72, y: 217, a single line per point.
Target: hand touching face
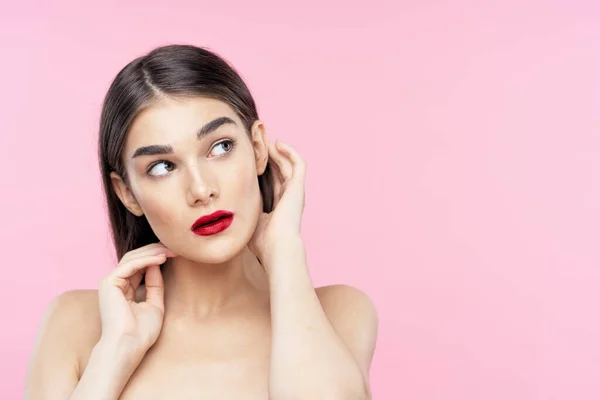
x: 186, y: 158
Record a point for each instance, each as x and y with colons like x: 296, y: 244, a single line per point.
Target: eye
x: 160, y: 168
x: 222, y: 147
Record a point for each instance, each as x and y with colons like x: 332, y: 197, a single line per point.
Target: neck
x: 197, y: 291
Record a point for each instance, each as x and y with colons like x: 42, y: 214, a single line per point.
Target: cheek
x: 237, y: 176
x: 249, y: 190
x: 244, y: 193
x: 158, y: 209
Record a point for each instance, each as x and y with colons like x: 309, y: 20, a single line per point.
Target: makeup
x: 212, y: 224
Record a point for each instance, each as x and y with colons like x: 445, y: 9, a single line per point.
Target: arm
x: 322, y: 346
x: 127, y: 329
x: 109, y: 368
x: 62, y: 337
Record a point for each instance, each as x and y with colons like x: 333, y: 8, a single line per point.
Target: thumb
x: 155, y: 288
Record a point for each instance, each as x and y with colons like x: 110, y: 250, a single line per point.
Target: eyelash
x: 154, y: 164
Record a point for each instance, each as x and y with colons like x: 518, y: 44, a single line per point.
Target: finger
x: 128, y: 269
x: 136, y: 279
x: 285, y: 167
x: 153, y: 248
x: 155, y: 288
x: 150, y: 249
x: 143, y: 249
x: 277, y: 182
x: 154, y: 252
x: 298, y: 163
x: 129, y: 286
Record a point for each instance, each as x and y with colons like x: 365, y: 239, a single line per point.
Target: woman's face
x: 189, y: 157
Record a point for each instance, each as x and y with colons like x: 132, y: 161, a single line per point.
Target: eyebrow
x: 167, y: 149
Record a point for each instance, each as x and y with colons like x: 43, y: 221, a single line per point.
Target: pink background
x: 453, y: 151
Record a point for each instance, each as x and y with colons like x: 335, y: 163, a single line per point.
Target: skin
x: 215, y: 323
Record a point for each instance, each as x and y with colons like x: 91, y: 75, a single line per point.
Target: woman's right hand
x: 136, y: 325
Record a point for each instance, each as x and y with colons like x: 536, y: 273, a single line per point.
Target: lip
x: 201, y: 228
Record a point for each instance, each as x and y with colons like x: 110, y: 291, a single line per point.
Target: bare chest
x: 216, y: 370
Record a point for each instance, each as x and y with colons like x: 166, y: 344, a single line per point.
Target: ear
x: 261, y: 146
x: 125, y: 194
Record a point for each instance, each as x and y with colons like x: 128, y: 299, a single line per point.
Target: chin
x: 219, y: 250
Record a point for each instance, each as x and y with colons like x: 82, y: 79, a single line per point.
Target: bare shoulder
x: 353, y: 315
x: 347, y: 302
x: 80, y: 301
x: 75, y: 316
x: 83, y: 304
x: 79, y: 307
x: 69, y: 325
x: 82, y: 309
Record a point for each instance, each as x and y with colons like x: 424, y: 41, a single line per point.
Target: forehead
x: 170, y: 120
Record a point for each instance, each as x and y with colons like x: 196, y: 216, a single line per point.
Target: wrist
x: 110, y: 366
x: 283, y: 250
x: 120, y: 350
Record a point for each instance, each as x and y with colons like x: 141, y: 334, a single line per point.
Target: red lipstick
x: 212, y: 224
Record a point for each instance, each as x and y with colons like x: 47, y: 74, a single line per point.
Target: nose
x: 201, y: 189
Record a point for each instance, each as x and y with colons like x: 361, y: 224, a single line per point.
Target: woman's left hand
x: 281, y: 227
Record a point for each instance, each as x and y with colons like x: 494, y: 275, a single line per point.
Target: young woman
x: 212, y: 298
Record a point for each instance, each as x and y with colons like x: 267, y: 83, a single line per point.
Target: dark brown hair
x: 173, y: 71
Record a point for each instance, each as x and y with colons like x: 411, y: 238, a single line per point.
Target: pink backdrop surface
x: 453, y: 152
